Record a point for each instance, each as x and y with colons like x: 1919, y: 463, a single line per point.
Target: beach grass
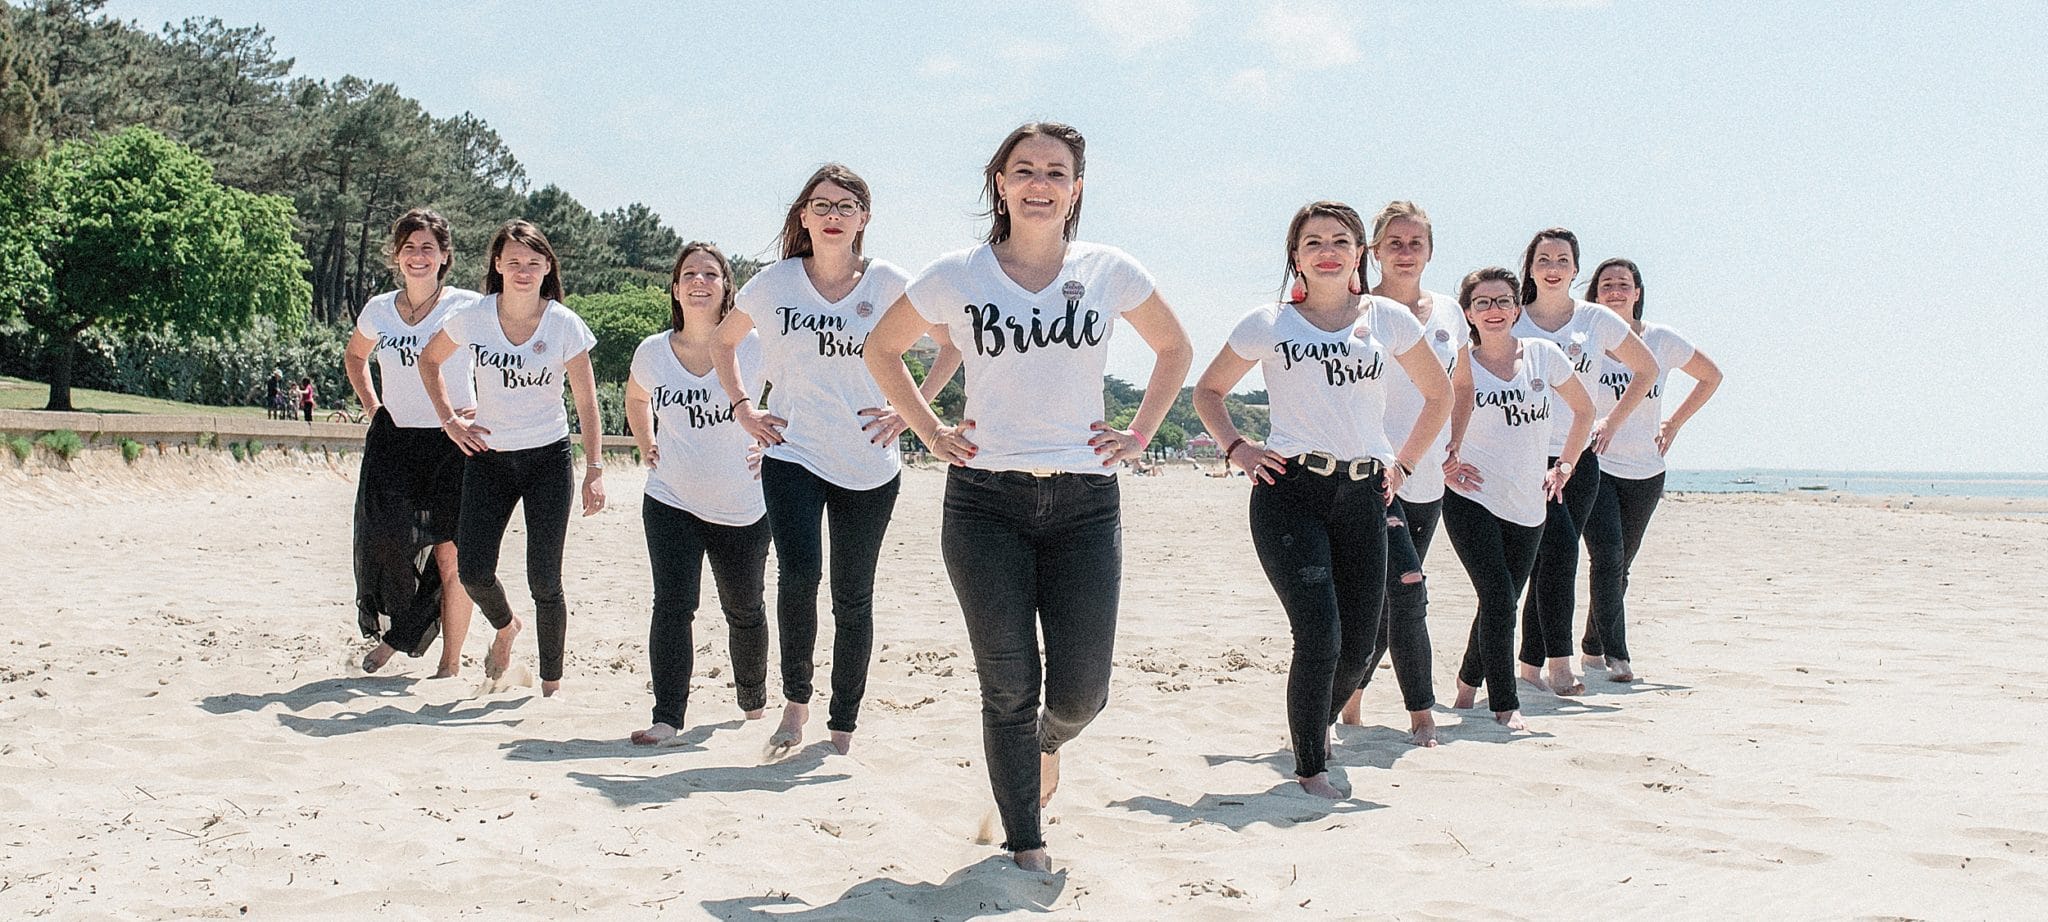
x: 23, y: 394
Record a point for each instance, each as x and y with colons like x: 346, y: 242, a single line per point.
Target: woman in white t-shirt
x: 1323, y: 478
x: 1402, y: 241
x: 1585, y: 332
x: 1507, y: 390
x: 409, y: 494
x: 702, y: 499
x: 1632, y: 465
x: 1032, y: 531
x: 525, y: 344
x: 831, y: 464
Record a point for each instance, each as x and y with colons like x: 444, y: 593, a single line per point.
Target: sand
x: 1838, y: 719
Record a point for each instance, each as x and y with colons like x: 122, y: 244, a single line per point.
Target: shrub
x: 21, y: 446
x: 235, y: 448
x: 255, y: 448
x: 130, y: 450
x: 63, y: 443
x: 209, y: 440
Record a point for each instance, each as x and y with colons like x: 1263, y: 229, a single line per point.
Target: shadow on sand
x: 326, y: 691
x: 988, y: 887
x: 532, y: 750
x: 634, y: 790
x: 449, y: 714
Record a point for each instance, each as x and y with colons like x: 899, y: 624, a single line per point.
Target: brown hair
x: 675, y: 275
x: 1474, y: 279
x: 999, y: 223
x: 1343, y: 214
x: 1399, y: 208
x: 1528, y: 293
x: 414, y: 221
x: 795, y: 240
x: 524, y: 233
x: 1593, y: 281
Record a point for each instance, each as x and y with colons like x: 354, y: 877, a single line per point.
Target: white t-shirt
x: 398, y: 353
x: 1445, y: 334
x: 1508, y: 438
x: 1632, y: 447
x: 1327, y: 389
x: 812, y: 350
x: 1034, y: 359
x: 519, y: 387
x: 703, y: 468
x: 1591, y: 331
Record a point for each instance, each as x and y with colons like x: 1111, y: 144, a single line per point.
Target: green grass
x: 64, y: 443
x: 21, y: 446
x: 21, y: 394
x: 130, y: 450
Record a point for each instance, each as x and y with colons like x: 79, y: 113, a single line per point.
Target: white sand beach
x: 1837, y: 720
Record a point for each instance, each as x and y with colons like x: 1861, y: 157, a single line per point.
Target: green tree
x: 24, y: 93
x: 26, y: 227
x: 146, y: 240
x: 620, y: 320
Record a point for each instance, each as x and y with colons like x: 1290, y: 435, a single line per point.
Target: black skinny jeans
x: 1404, y: 622
x: 1614, y: 533
x: 1498, y: 555
x: 1028, y: 554
x: 1322, y: 540
x: 492, y: 483
x: 677, y: 544
x: 1547, y: 613
x: 856, y: 520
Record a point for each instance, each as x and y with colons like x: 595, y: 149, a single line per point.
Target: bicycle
x: 348, y: 413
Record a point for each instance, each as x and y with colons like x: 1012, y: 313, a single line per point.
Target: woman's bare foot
x: 842, y: 741
x: 1510, y: 719
x: 1532, y: 675
x: 548, y: 687
x: 1320, y: 786
x: 447, y: 672
x: 1033, y: 859
x: 1350, y: 714
x: 756, y: 713
x: 499, y: 657
x: 1468, y: 695
x: 1559, y: 677
x: 1048, y: 777
x: 1593, y: 661
x: 791, y: 731
x: 1618, y: 670
x: 1422, y: 728
x: 654, y: 735
x: 378, y: 656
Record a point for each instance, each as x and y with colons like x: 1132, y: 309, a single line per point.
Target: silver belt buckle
x: 1043, y: 473
x: 1362, y: 468
x: 1318, y: 462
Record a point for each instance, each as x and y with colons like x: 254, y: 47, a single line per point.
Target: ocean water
x: 1861, y: 483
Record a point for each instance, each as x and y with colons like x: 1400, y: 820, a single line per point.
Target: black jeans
x: 1028, y: 554
x: 677, y: 543
x: 1614, y: 533
x: 1322, y: 540
x: 1547, y: 613
x: 492, y: 483
x: 857, y: 519
x: 1404, y: 622
x: 1498, y: 555
x: 408, y: 499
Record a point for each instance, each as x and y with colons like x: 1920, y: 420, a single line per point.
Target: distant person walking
x: 306, y: 398
x: 1032, y: 532
x: 1632, y: 466
x: 409, y: 491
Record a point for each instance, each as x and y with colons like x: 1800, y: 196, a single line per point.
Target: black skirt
x: 408, y: 499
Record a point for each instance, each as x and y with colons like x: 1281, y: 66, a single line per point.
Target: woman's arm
x: 764, y: 426
x: 1642, y: 367
x: 943, y: 365
x: 466, y: 435
x: 1700, y: 369
x: 356, y: 364
x: 1421, y: 365
x: 1455, y: 470
x: 583, y: 384
x: 1157, y: 325
x: 1574, y: 393
x: 640, y: 421
x: 1223, y: 373
x: 898, y: 330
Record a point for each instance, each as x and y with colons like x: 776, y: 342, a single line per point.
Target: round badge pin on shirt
x: 1073, y: 290
x: 540, y: 347
x: 1443, y: 336
x: 1536, y: 385
x: 1574, y: 350
x: 864, y: 308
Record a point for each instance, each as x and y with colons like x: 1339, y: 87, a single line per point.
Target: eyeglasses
x: 1494, y: 304
x: 846, y: 208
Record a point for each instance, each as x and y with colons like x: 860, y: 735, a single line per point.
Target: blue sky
x: 1841, y: 203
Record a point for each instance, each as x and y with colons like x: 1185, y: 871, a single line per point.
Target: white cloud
x: 1308, y: 36
x: 1135, y: 25
x: 942, y: 65
x: 1253, y: 85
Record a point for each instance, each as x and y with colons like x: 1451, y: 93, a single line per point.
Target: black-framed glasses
x: 845, y: 208
x: 1495, y: 304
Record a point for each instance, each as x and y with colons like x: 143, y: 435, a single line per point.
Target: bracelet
x: 1406, y: 470
x: 1140, y: 436
x: 593, y: 465
x: 1240, y: 440
x: 742, y: 399
x: 451, y: 418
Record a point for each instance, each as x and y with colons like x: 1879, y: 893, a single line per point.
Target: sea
x: 1859, y: 483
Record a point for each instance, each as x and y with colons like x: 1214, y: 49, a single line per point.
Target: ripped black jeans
x: 1404, y: 622
x: 1323, y: 543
